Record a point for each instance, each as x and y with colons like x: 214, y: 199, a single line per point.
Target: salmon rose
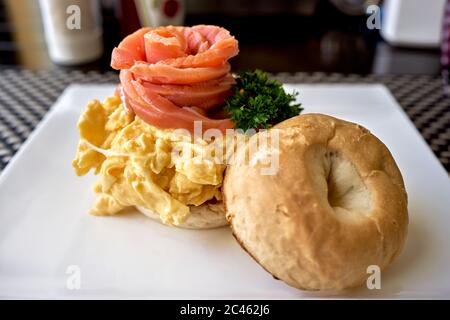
x: 172, y: 76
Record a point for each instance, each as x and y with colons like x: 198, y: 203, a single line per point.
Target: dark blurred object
x: 354, y: 7
x: 7, y: 44
x: 323, y: 39
x: 445, y: 46
x: 244, y: 8
x: 393, y: 60
x: 128, y: 17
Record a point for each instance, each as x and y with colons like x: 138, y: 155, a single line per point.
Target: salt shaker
x: 73, y: 30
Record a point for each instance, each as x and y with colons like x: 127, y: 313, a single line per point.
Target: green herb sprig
x: 259, y: 103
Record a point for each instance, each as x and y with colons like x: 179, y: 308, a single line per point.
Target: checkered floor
x: 26, y: 96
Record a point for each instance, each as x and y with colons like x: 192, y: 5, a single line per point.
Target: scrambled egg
x: 136, y: 165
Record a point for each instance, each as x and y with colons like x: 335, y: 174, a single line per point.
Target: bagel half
x: 205, y: 216
x: 336, y: 205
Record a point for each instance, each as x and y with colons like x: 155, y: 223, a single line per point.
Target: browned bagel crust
x: 286, y: 222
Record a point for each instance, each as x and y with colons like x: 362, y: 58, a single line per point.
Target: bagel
x: 205, y: 216
x: 336, y: 205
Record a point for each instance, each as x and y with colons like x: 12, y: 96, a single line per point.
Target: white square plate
x: 46, y: 235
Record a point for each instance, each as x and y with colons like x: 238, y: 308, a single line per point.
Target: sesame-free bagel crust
x: 336, y: 205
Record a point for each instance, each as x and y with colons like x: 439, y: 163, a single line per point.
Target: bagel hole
x: 347, y: 192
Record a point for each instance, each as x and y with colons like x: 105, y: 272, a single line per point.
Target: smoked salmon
x: 171, y: 75
x: 204, y: 95
x: 160, y: 111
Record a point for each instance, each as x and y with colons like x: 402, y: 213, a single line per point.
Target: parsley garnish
x: 259, y: 103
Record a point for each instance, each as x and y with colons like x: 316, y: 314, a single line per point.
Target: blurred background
x: 342, y: 36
